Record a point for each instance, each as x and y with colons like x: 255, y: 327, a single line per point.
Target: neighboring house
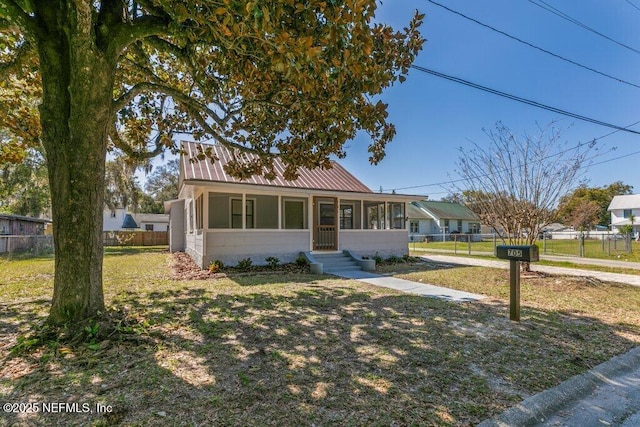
x: 120, y: 219
x: 622, y: 209
x: 17, y: 225
x: 441, y: 219
x: 219, y: 217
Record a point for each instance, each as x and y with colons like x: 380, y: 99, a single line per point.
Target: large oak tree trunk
x: 77, y: 85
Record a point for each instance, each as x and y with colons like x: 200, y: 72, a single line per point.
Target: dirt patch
x: 184, y: 268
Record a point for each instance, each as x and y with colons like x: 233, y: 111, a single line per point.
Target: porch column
x: 362, y: 227
x: 310, y: 213
x: 336, y: 213
x: 279, y: 212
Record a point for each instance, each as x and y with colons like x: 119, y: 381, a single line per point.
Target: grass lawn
x: 294, y: 349
x: 614, y: 250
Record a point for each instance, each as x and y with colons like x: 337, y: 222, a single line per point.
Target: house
x: 623, y: 209
x: 17, y: 232
x: 120, y: 219
x: 18, y: 225
x: 219, y: 217
x: 440, y: 219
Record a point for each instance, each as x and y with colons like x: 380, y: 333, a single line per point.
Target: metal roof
x: 443, y: 210
x: 335, y: 179
x: 12, y: 217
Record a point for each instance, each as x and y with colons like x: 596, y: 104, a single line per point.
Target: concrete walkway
x: 629, y: 279
x: 410, y: 287
x: 607, y: 395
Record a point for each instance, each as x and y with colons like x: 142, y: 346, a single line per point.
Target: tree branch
x: 11, y: 9
x: 185, y: 100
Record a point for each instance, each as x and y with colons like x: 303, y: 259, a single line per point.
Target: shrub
x: 244, y: 264
x: 215, y: 266
x: 272, y: 261
x: 393, y: 259
x: 301, y: 261
x: 377, y: 258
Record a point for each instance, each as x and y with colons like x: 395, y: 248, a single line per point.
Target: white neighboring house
x: 120, y: 219
x: 441, y: 218
x: 622, y: 208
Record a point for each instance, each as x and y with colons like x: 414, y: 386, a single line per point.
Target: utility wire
x: 562, y: 58
x: 439, y: 184
x: 633, y: 5
x: 522, y: 100
x: 574, y: 21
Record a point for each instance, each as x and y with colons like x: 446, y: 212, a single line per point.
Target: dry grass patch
x: 299, y: 349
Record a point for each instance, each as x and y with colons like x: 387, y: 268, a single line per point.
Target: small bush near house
x: 272, y: 261
x: 301, y: 261
x: 377, y: 258
x: 393, y: 259
x: 244, y: 264
x: 215, y: 266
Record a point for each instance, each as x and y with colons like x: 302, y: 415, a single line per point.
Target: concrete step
x: 336, y: 262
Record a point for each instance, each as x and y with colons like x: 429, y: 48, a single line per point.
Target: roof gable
x: 335, y: 179
x: 627, y: 201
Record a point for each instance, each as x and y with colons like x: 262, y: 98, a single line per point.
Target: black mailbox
x: 518, y: 252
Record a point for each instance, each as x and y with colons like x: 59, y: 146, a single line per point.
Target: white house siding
x: 194, y: 247
x: 177, y: 230
x: 230, y: 246
x: 113, y: 223
x: 369, y: 242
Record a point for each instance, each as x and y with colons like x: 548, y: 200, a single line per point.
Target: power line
x: 536, y: 47
x: 439, y: 184
x: 574, y: 21
x: 633, y: 5
x: 522, y: 100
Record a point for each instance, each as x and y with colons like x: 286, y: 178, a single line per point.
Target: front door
x: 325, y: 228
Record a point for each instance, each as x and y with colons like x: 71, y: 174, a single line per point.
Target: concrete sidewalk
x: 410, y: 287
x: 607, y: 395
x: 629, y: 279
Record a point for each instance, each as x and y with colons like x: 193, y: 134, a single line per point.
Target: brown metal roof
x: 335, y: 179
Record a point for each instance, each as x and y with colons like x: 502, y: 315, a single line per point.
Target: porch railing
x: 325, y: 238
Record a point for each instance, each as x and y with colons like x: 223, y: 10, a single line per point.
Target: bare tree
x: 514, y: 183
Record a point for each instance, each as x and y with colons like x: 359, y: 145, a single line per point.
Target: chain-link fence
x: 600, y: 245
x: 34, y: 245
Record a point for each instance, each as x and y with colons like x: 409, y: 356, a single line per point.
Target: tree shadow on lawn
x: 322, y: 354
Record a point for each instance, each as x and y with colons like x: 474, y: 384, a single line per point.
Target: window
x: 148, y: 227
x: 374, y: 212
x: 199, y: 211
x: 474, y: 228
x: 460, y: 225
x: 446, y: 225
x: 293, y: 215
x: 327, y: 214
x: 414, y: 227
x: 346, y: 217
x: 113, y: 214
x: 627, y: 213
x: 396, y: 210
x: 236, y: 213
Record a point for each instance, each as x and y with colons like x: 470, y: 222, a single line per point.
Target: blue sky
x: 435, y: 118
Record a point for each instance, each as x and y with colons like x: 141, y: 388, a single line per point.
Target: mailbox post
x: 516, y: 254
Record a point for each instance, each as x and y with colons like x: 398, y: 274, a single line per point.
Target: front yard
x: 295, y: 349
